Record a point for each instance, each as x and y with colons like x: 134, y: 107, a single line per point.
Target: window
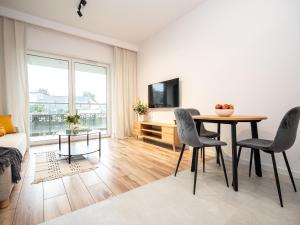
x: 60, y: 85
x: 90, y: 86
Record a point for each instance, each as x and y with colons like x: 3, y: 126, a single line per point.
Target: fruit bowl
x: 224, y: 110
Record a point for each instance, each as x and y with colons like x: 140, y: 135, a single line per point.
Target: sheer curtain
x: 13, y: 76
x: 124, y: 89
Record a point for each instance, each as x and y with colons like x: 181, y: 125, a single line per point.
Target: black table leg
x: 218, y: 153
x: 193, y: 160
x: 256, y: 151
x: 69, y: 146
x: 198, y: 127
x: 87, y: 139
x: 234, y: 158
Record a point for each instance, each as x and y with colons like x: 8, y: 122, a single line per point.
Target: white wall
x: 242, y: 52
x: 54, y: 42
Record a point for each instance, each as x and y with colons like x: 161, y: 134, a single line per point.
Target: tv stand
x: 160, y: 132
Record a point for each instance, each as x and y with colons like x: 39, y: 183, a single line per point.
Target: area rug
x: 49, y: 166
x: 170, y: 201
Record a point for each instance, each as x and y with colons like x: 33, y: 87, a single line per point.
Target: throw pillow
x: 6, y: 122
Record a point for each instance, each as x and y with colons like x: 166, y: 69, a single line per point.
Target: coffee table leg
x: 234, y: 158
x: 69, y: 146
x: 256, y: 151
x: 59, y: 143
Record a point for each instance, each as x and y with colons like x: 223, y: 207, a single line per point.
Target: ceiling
x: 128, y: 20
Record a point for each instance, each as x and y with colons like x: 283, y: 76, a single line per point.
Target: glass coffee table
x: 78, y: 151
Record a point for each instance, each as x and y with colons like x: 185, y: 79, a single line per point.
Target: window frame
x: 72, y: 92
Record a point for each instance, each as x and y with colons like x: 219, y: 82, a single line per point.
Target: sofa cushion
x: 2, y: 131
x: 16, y: 140
x: 6, y: 122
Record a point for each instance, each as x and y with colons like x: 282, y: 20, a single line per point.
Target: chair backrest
x: 186, y: 128
x: 287, y: 131
x: 195, y: 112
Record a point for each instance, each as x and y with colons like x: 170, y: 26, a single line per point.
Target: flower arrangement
x: 72, y: 120
x: 140, y: 108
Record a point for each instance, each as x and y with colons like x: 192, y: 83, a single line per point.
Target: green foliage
x: 140, y: 108
x: 75, y: 119
x: 43, y: 91
x: 89, y: 94
x: 37, y: 109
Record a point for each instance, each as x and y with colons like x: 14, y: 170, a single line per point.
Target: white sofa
x: 19, y: 141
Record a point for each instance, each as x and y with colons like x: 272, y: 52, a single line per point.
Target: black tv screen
x: 164, y: 94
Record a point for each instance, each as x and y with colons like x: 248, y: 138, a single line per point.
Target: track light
x: 79, y: 13
x: 81, y: 3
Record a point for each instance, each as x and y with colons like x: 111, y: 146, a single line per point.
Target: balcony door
x: 58, y: 86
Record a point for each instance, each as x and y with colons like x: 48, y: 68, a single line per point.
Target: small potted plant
x: 141, y: 110
x: 72, y: 120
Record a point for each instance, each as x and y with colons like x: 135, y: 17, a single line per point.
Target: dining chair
x: 188, y: 135
x: 204, y: 133
x: 283, y: 141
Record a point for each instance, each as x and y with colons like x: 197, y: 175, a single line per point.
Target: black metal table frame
x: 69, y: 144
x: 234, y: 147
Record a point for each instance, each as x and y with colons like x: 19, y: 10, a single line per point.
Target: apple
x: 231, y: 106
x: 226, y: 106
x: 218, y: 106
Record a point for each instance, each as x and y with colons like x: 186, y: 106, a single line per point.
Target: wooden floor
x: 124, y: 165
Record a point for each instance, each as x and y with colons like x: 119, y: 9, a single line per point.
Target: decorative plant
x: 140, y: 108
x: 72, y: 119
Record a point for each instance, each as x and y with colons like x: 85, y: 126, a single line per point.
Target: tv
x: 164, y: 94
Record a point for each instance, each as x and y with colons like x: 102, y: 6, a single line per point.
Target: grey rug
x: 170, y: 201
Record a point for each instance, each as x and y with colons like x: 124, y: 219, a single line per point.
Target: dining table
x: 232, y: 121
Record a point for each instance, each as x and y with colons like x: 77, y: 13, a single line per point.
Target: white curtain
x: 13, y: 75
x: 124, y: 89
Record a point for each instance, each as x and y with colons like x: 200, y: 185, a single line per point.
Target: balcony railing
x: 49, y: 124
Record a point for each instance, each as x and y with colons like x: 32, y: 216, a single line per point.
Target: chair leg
x: 239, y: 155
x: 289, y: 169
x: 180, y: 157
x: 218, y: 156
x: 224, y: 167
x: 201, y: 152
x: 277, y: 178
x: 196, y: 169
x: 251, y: 158
x: 203, y: 159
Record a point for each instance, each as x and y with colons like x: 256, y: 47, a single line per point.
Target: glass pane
x: 48, y: 94
x: 91, y: 102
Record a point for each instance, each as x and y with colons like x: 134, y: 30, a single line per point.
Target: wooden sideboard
x: 161, y: 132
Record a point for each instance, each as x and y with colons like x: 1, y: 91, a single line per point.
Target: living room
x: 149, y: 112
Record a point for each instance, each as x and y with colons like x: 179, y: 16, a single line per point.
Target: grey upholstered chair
x: 188, y: 135
x: 284, y: 140
x: 204, y: 133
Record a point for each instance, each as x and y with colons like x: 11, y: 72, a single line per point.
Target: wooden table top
x: 229, y: 118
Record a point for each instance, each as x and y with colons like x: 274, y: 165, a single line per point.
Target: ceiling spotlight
x: 81, y: 3
x: 79, y: 13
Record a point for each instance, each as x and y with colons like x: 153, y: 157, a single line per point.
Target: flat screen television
x: 164, y: 94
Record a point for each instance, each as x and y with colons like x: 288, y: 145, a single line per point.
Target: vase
x: 72, y: 126
x: 141, y: 118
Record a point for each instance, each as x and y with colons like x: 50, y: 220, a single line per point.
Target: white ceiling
x: 128, y: 20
